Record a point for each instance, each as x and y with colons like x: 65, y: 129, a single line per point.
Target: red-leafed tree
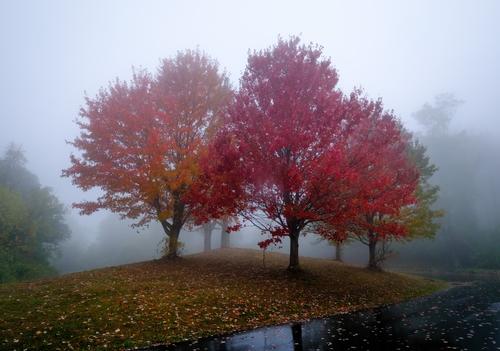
x: 140, y: 142
x: 387, y: 178
x: 279, y: 161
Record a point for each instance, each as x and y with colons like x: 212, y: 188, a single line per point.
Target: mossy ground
x: 198, y: 295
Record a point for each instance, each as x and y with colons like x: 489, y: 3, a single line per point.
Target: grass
x: 199, y: 295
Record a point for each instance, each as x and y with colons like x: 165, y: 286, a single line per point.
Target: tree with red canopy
x: 296, y: 155
x: 279, y: 160
x: 387, y: 179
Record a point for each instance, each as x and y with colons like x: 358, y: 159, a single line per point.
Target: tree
x: 12, y: 232
x: 278, y: 162
x: 141, y: 141
x: 13, y: 172
x: 416, y: 219
x: 435, y: 118
x: 208, y: 228
x: 225, y: 239
x: 420, y: 219
x: 32, y: 221
x: 338, y: 240
x: 387, y: 178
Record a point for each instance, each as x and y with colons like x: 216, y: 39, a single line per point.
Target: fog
x: 55, y: 52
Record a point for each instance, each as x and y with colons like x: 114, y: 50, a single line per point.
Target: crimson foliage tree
x: 141, y: 141
x: 296, y: 155
x: 387, y: 178
x: 279, y: 161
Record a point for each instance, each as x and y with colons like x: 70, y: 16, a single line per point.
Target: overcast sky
x: 52, y: 52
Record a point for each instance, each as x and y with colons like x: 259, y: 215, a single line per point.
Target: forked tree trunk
x: 224, y: 235
x: 294, y: 250
x: 173, y: 230
x: 173, y: 244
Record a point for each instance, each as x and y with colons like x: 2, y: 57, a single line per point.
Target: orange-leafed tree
x: 140, y: 141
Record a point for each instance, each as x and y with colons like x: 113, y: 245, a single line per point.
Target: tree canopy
x: 141, y: 141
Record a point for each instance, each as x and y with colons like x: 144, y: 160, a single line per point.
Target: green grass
x: 199, y: 295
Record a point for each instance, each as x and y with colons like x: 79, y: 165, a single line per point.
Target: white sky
x: 406, y: 52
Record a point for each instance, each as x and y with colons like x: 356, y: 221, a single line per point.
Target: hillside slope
x: 202, y: 294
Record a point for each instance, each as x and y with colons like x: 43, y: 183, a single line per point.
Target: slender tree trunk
x: 207, y: 235
x: 224, y: 235
x: 294, y: 250
x: 372, y: 248
x: 338, y: 252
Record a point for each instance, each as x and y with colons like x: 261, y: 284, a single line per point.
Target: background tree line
x: 32, y: 221
x: 467, y: 175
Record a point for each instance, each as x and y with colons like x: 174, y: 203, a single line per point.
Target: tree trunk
x: 173, y: 243
x: 294, y: 250
x: 338, y: 252
x: 224, y: 235
x: 207, y: 235
x: 372, y: 248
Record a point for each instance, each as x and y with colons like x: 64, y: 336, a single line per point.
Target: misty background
x: 409, y: 53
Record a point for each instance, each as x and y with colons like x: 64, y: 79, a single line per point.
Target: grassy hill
x: 199, y: 295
